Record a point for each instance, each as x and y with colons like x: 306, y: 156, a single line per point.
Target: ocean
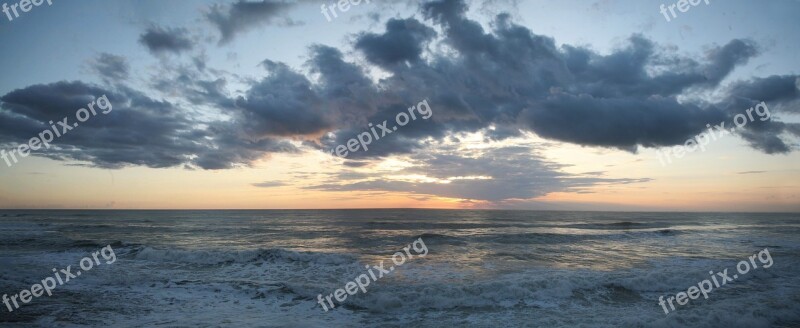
x: 482, y: 268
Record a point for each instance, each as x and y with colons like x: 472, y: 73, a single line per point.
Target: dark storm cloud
x: 240, y: 16
x: 225, y: 147
x: 780, y: 94
x: 401, y: 43
x: 160, y: 40
x: 624, y: 72
x: 767, y: 139
x: 723, y: 60
x: 282, y: 104
x: 621, y: 122
x: 770, y: 89
x: 504, y: 81
x: 139, y: 131
x: 510, y: 79
x: 111, y: 67
x: 514, y: 79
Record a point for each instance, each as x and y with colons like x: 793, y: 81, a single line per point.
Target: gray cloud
x: 507, y: 78
x: 111, y: 67
x: 620, y: 122
x: 140, y: 131
x: 243, y: 15
x: 402, y: 42
x: 269, y: 184
x: 160, y: 40
x: 283, y: 104
x: 514, y: 172
x: 772, y: 89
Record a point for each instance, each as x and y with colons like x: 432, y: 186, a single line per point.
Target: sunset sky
x: 549, y: 105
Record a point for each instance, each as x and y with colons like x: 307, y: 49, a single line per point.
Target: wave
x: 56, y: 242
x: 567, y: 238
x: 221, y: 257
x: 439, y: 239
x: 533, y: 290
x: 96, y: 244
x: 548, y: 288
x: 20, y: 215
x: 623, y: 225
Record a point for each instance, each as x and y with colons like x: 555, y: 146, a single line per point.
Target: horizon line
x: 394, y: 208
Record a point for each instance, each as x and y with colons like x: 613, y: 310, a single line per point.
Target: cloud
x: 625, y: 71
x: 111, y: 67
x: 781, y: 95
x: 282, y: 104
x: 512, y: 79
x: 402, y: 42
x: 140, y: 131
x: 619, y: 122
x: 269, y: 184
x: 356, y: 163
x: 492, y: 174
x: 160, y: 40
x: 505, y: 81
x: 243, y: 15
x: 772, y: 89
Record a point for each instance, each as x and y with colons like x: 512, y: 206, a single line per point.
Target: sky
x: 543, y: 105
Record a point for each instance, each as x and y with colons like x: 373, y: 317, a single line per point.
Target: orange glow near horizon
x: 643, y: 184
